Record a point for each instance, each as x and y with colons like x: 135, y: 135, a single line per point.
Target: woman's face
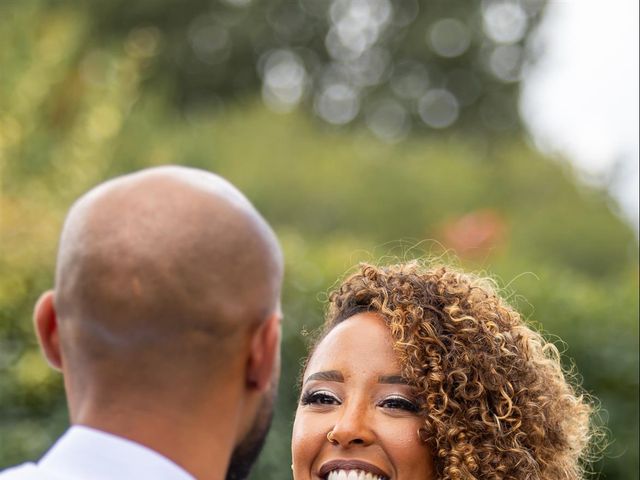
x: 353, y: 389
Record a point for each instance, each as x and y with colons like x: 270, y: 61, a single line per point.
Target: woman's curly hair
x: 496, y: 401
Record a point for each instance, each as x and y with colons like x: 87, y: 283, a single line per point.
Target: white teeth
x: 352, y: 475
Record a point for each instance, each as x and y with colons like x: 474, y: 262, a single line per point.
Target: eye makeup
x: 319, y: 397
x: 398, y: 402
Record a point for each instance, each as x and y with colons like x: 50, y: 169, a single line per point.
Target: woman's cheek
x: 306, y: 443
x: 404, y: 446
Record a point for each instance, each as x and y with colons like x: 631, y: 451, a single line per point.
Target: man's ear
x: 264, y: 354
x: 46, y: 325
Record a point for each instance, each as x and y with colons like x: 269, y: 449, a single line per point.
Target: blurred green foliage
x: 73, y: 113
x: 348, y: 61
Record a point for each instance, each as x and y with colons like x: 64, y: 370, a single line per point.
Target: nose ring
x: 331, y: 438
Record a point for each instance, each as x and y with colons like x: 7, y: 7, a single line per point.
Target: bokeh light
x: 505, y: 22
x: 410, y: 80
x: 438, y: 108
x: 449, y: 37
x: 505, y: 62
x: 284, y: 80
x: 338, y: 104
x: 388, y: 120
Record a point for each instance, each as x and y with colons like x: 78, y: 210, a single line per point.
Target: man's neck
x: 200, y: 440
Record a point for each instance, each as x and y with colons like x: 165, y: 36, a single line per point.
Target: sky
x: 580, y: 100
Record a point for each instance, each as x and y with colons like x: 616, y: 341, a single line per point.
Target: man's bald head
x: 158, y: 272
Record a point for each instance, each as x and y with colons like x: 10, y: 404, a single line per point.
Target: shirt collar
x: 84, y: 452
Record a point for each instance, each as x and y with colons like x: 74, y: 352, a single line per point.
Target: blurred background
x: 499, y: 133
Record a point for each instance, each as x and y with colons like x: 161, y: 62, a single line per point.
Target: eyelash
x: 318, y: 397
x: 399, y: 403
x: 322, y: 397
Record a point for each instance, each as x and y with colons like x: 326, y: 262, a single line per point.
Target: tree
x: 396, y: 66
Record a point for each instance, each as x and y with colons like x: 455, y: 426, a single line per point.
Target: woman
x: 426, y: 373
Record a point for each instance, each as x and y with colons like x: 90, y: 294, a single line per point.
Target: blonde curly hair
x: 496, y: 401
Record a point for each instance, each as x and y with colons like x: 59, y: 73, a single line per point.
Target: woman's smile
x: 351, y: 470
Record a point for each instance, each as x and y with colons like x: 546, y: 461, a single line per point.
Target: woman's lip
x: 331, y: 465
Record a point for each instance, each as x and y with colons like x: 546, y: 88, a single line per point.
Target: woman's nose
x: 354, y: 427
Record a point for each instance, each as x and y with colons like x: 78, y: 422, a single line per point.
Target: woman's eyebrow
x: 327, y: 376
x: 392, y: 379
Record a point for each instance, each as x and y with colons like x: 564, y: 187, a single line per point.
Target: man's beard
x: 246, y: 452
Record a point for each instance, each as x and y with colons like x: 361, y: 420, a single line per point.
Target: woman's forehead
x: 361, y: 344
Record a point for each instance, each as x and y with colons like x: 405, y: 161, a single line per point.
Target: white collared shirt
x: 84, y: 453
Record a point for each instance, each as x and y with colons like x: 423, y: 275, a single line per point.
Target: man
x: 165, y: 324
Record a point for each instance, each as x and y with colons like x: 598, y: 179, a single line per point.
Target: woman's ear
x: 46, y: 325
x: 264, y: 355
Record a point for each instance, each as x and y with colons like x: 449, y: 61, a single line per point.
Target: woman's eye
x: 399, y: 403
x: 319, y: 398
